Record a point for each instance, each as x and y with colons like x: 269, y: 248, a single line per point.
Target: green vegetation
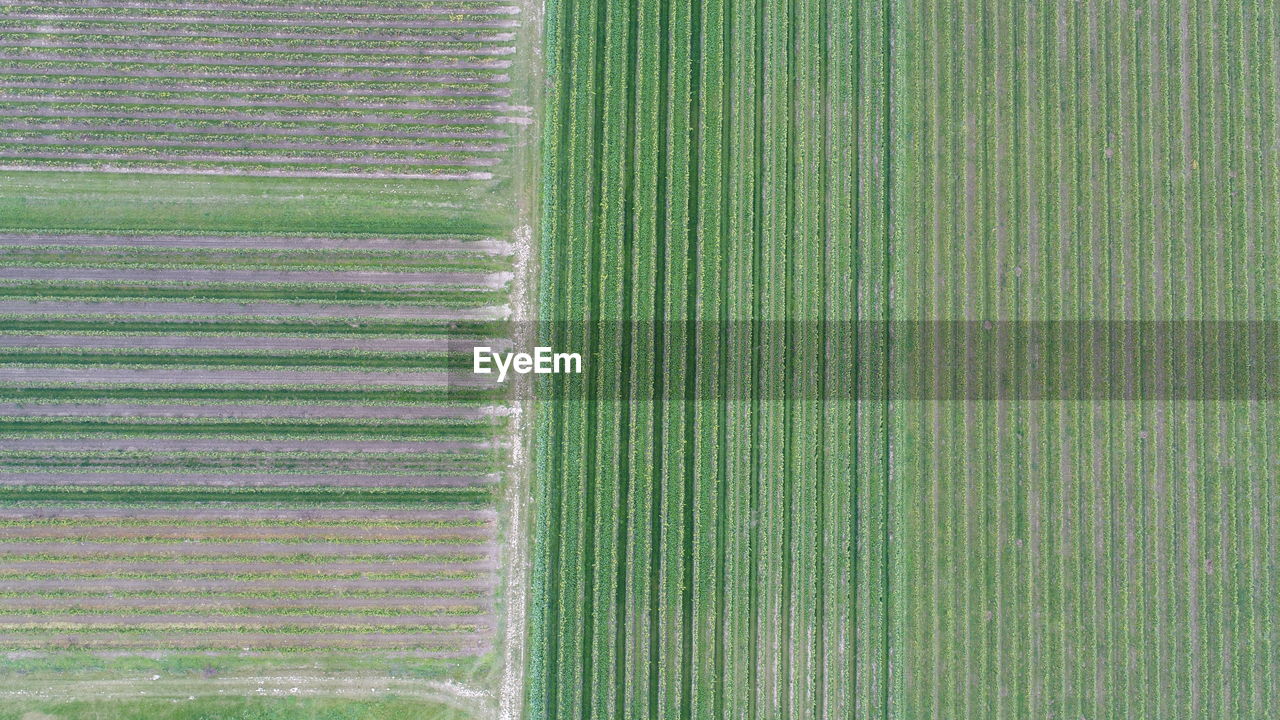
x: 717, y: 175
x: 784, y: 496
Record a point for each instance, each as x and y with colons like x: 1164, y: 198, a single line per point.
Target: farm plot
x: 384, y: 90
x: 276, y: 480
x: 842, y: 449
x: 712, y: 490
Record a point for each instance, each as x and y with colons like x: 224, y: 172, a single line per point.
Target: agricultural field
x: 359, y: 89
x: 245, y: 251
x: 923, y: 346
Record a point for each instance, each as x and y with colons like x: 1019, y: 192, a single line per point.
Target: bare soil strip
x: 237, y: 342
x: 230, y: 115
x: 450, y: 645
x: 196, y: 479
x: 383, y: 412
x: 248, y: 514
x: 237, y: 566
x: 245, y: 549
x: 59, y: 42
x: 151, y: 444
x: 250, y: 159
x: 146, y: 376
x: 200, y: 514
x: 462, y: 608
x: 203, y: 585
x: 206, y: 128
x: 116, y: 30
x: 449, y: 8
x: 249, y: 172
x: 194, y: 533
x: 257, y: 621
x: 475, y: 96
x: 236, y: 309
x: 347, y: 277
x: 128, y: 142
x: 291, y: 23
x: 450, y: 60
x: 254, y: 242
x: 302, y: 75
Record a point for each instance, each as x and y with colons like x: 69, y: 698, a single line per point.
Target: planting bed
x: 68, y: 70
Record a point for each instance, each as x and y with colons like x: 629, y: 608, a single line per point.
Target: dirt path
x: 518, y: 526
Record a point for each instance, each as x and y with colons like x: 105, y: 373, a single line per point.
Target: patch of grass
x: 101, y: 201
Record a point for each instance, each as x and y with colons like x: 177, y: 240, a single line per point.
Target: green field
x: 855, y: 457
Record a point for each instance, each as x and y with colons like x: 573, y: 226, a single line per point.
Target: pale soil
x: 493, y: 281
x: 335, y: 550
x: 491, y: 37
x: 230, y: 115
x: 145, y: 142
x: 300, y: 74
x: 180, y: 566
x: 196, y: 479
x: 254, y: 242
x: 150, y: 57
x: 305, y: 10
x: 362, y: 23
x: 463, y: 609
x: 55, y: 42
x: 240, y: 172
x: 192, y: 514
x: 252, y: 160
x: 87, y: 95
x: 230, y: 445
x: 247, y: 309
x: 384, y: 412
x: 203, y: 585
x: 452, y: 536
x: 259, y: 621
